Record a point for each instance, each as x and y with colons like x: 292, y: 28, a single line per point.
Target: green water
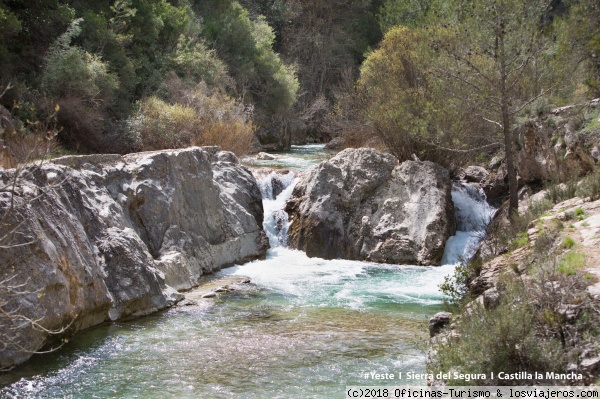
x: 277, y: 338
x: 299, y: 158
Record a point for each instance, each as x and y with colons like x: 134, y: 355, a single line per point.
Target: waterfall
x: 473, y: 214
x: 276, y: 189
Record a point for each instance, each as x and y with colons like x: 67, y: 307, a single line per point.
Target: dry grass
x: 193, y: 116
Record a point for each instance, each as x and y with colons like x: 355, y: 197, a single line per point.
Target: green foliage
x: 571, y: 262
x: 409, y: 13
x: 521, y: 240
x: 590, y: 185
x: 456, y: 286
x: 561, y: 192
x: 568, y: 243
x: 193, y: 61
x: 500, y: 339
x: 247, y: 48
x: 71, y: 71
x: 398, y: 98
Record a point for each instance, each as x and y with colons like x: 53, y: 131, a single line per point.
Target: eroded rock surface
x: 105, y: 237
x: 362, y: 205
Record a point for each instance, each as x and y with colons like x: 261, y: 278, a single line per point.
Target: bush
x: 72, y: 71
x: 590, y: 185
x: 500, y: 339
x: 571, y: 262
x: 521, y: 240
x: 192, y: 117
x: 193, y: 61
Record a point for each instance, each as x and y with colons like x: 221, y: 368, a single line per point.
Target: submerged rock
x: 107, y: 237
x: 362, y: 205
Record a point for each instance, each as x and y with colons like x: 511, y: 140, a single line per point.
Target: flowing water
x: 304, y: 328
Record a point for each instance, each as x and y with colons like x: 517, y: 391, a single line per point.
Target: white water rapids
x: 305, y: 328
x: 356, y: 284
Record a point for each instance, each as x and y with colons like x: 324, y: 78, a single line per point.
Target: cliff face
x: 362, y: 205
x: 104, y: 237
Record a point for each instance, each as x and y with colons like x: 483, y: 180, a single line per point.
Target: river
x: 304, y: 328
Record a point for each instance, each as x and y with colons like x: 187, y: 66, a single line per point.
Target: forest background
x: 448, y: 81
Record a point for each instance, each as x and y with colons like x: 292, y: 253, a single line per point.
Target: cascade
x: 473, y: 215
x: 276, y: 189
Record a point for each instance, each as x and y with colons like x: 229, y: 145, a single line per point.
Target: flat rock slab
x: 215, y: 287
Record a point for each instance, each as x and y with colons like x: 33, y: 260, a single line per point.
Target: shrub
x: 590, y: 185
x: 500, y: 339
x: 561, y: 192
x: 72, y: 71
x: 193, y: 61
x: 30, y: 140
x: 521, y: 240
x: 571, y: 262
x: 568, y: 242
x: 194, y: 116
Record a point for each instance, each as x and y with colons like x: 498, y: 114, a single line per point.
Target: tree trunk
x: 511, y: 170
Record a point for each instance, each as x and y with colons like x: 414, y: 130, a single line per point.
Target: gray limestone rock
x: 362, y: 205
x: 88, y: 239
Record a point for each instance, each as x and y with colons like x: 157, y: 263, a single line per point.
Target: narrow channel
x: 304, y: 328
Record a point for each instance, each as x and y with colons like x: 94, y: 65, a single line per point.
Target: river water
x: 304, y: 328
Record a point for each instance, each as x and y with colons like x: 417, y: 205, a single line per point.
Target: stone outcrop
x: 438, y: 322
x: 550, y: 153
x: 94, y: 238
x: 362, y: 205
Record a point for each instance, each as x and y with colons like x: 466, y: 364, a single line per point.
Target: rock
x: 273, y: 183
x: 7, y: 126
x: 438, y: 322
x: 209, y: 295
x: 361, y: 205
x: 473, y: 174
x: 538, y: 159
x: 497, y: 161
x: 264, y: 156
x: 495, y: 186
x: 187, y: 302
x: 591, y: 365
x: 336, y: 143
x: 108, y: 237
x: 491, y: 298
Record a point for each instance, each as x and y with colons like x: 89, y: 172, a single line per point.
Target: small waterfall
x: 276, y: 189
x: 473, y: 214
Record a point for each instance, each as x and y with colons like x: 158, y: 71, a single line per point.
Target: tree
x: 412, y: 13
x: 491, y: 48
x: 410, y: 108
x: 397, y: 91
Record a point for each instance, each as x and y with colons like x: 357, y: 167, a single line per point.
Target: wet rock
x: 265, y: 156
x: 361, y: 205
x: 209, y: 295
x: 187, y: 302
x: 438, y: 322
x: 473, y: 174
x: 115, y: 236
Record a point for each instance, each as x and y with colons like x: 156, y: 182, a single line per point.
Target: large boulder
x: 362, y: 205
x: 94, y: 238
